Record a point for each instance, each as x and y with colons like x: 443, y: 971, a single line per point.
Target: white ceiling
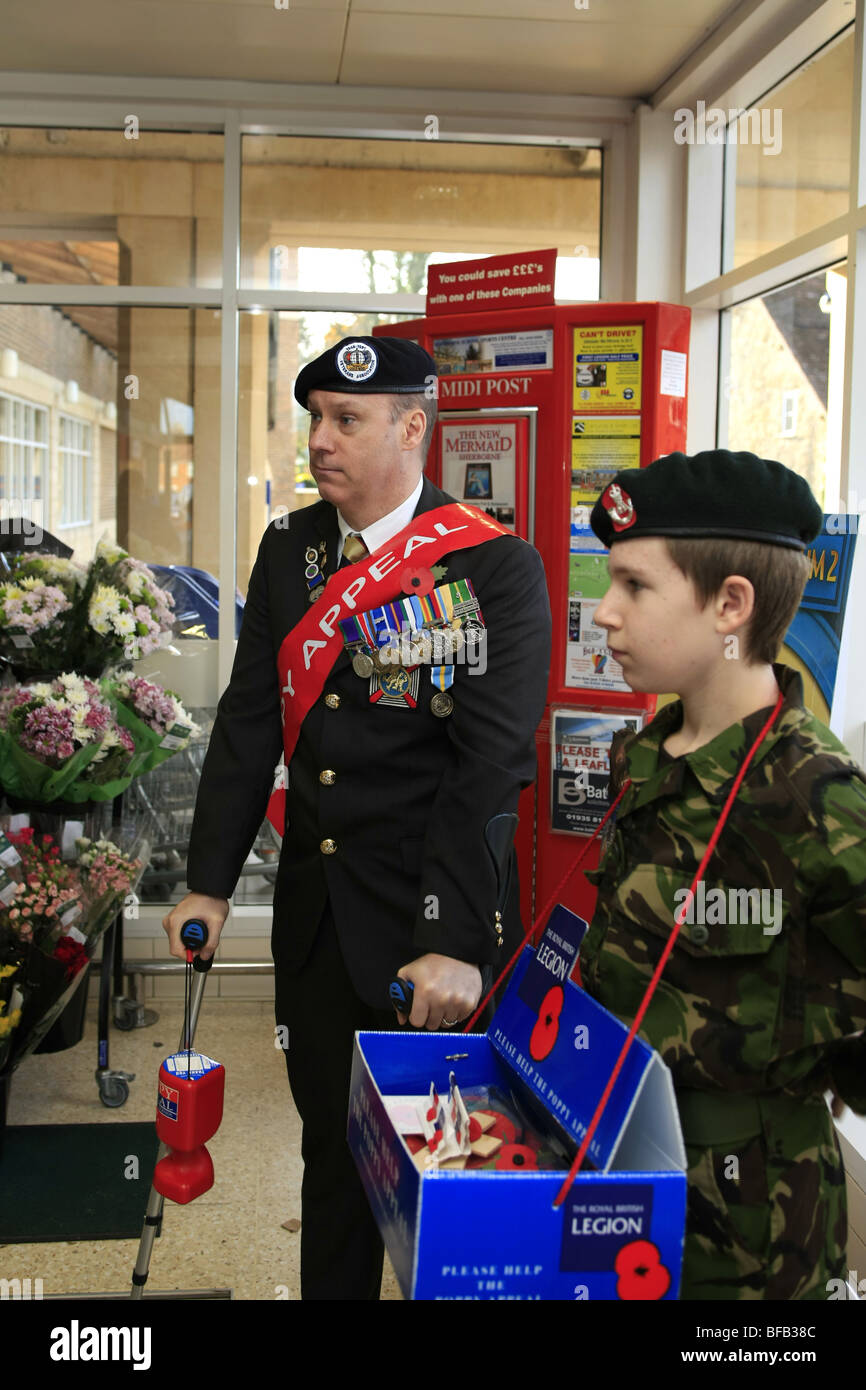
x: 610, y: 48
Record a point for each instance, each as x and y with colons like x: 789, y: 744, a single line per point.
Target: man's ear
x: 414, y: 424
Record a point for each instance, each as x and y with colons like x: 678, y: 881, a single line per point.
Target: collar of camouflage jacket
x: 715, y: 765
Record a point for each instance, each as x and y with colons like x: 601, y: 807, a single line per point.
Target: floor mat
x: 69, y: 1182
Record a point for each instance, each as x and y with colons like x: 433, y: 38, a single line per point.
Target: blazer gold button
x: 328, y: 846
x: 327, y: 778
x: 332, y: 701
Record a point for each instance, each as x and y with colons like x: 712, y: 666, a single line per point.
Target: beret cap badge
x: 369, y: 366
x: 357, y: 361
x: 619, y: 507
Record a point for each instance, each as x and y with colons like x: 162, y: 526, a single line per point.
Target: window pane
x: 121, y: 451
x: 273, y: 461
x: 793, y: 170
x: 93, y: 207
x: 368, y: 215
x: 783, y: 384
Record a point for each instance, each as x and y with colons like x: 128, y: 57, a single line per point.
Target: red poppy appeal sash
x: 309, y: 651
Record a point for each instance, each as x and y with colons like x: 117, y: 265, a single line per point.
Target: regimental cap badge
x: 357, y: 361
x: 619, y: 507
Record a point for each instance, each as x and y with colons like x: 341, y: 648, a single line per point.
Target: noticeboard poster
x: 601, y: 446
x: 607, y: 368
x: 484, y: 461
x: 813, y: 642
x: 580, y: 766
x: 495, y: 352
x: 588, y: 664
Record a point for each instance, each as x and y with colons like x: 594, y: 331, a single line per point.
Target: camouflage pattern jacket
x: 762, y: 993
x: 766, y: 985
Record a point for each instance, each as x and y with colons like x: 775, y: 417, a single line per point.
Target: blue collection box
x: 487, y: 1234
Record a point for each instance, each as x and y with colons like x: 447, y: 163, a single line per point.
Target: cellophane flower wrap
x: 155, y: 717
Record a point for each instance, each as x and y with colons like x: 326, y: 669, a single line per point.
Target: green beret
x: 716, y: 493
x: 372, y: 366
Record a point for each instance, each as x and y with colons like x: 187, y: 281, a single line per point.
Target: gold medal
x: 442, y: 704
x: 395, y: 681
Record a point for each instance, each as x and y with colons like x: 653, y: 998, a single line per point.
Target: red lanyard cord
x: 679, y: 918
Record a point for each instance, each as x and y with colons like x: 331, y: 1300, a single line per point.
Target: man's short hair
x: 401, y: 405
x: 777, y: 574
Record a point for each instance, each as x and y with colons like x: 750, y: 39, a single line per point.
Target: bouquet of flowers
x: 52, y: 915
x: 155, y: 717
x: 128, y: 614
x: 106, y: 874
x: 55, y: 615
x: 48, y: 897
x: 39, y: 601
x: 50, y: 732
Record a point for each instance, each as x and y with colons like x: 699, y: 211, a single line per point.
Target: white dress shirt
x: 379, y: 532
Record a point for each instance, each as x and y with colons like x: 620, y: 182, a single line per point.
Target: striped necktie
x: 353, y: 549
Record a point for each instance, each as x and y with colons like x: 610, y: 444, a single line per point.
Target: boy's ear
x: 735, y: 603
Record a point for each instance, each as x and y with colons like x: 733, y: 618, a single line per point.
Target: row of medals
x: 367, y: 662
x: 383, y: 661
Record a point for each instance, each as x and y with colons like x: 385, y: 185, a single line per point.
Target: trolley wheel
x: 113, y: 1091
x: 125, y: 1014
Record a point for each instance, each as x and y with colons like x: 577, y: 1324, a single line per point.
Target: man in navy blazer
x: 387, y: 865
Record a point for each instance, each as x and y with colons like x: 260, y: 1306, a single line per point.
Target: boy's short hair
x: 777, y: 574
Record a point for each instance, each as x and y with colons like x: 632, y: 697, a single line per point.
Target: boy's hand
x: 212, y: 911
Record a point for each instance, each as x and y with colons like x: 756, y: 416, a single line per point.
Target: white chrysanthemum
x: 105, y: 607
x: 110, y: 553
x: 75, y: 692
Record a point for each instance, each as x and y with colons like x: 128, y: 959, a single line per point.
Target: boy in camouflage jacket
x: 762, y: 1003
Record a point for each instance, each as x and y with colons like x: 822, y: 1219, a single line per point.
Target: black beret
x: 374, y: 366
x: 715, y: 493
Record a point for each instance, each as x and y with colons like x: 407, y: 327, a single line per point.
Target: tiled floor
x: 232, y: 1237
